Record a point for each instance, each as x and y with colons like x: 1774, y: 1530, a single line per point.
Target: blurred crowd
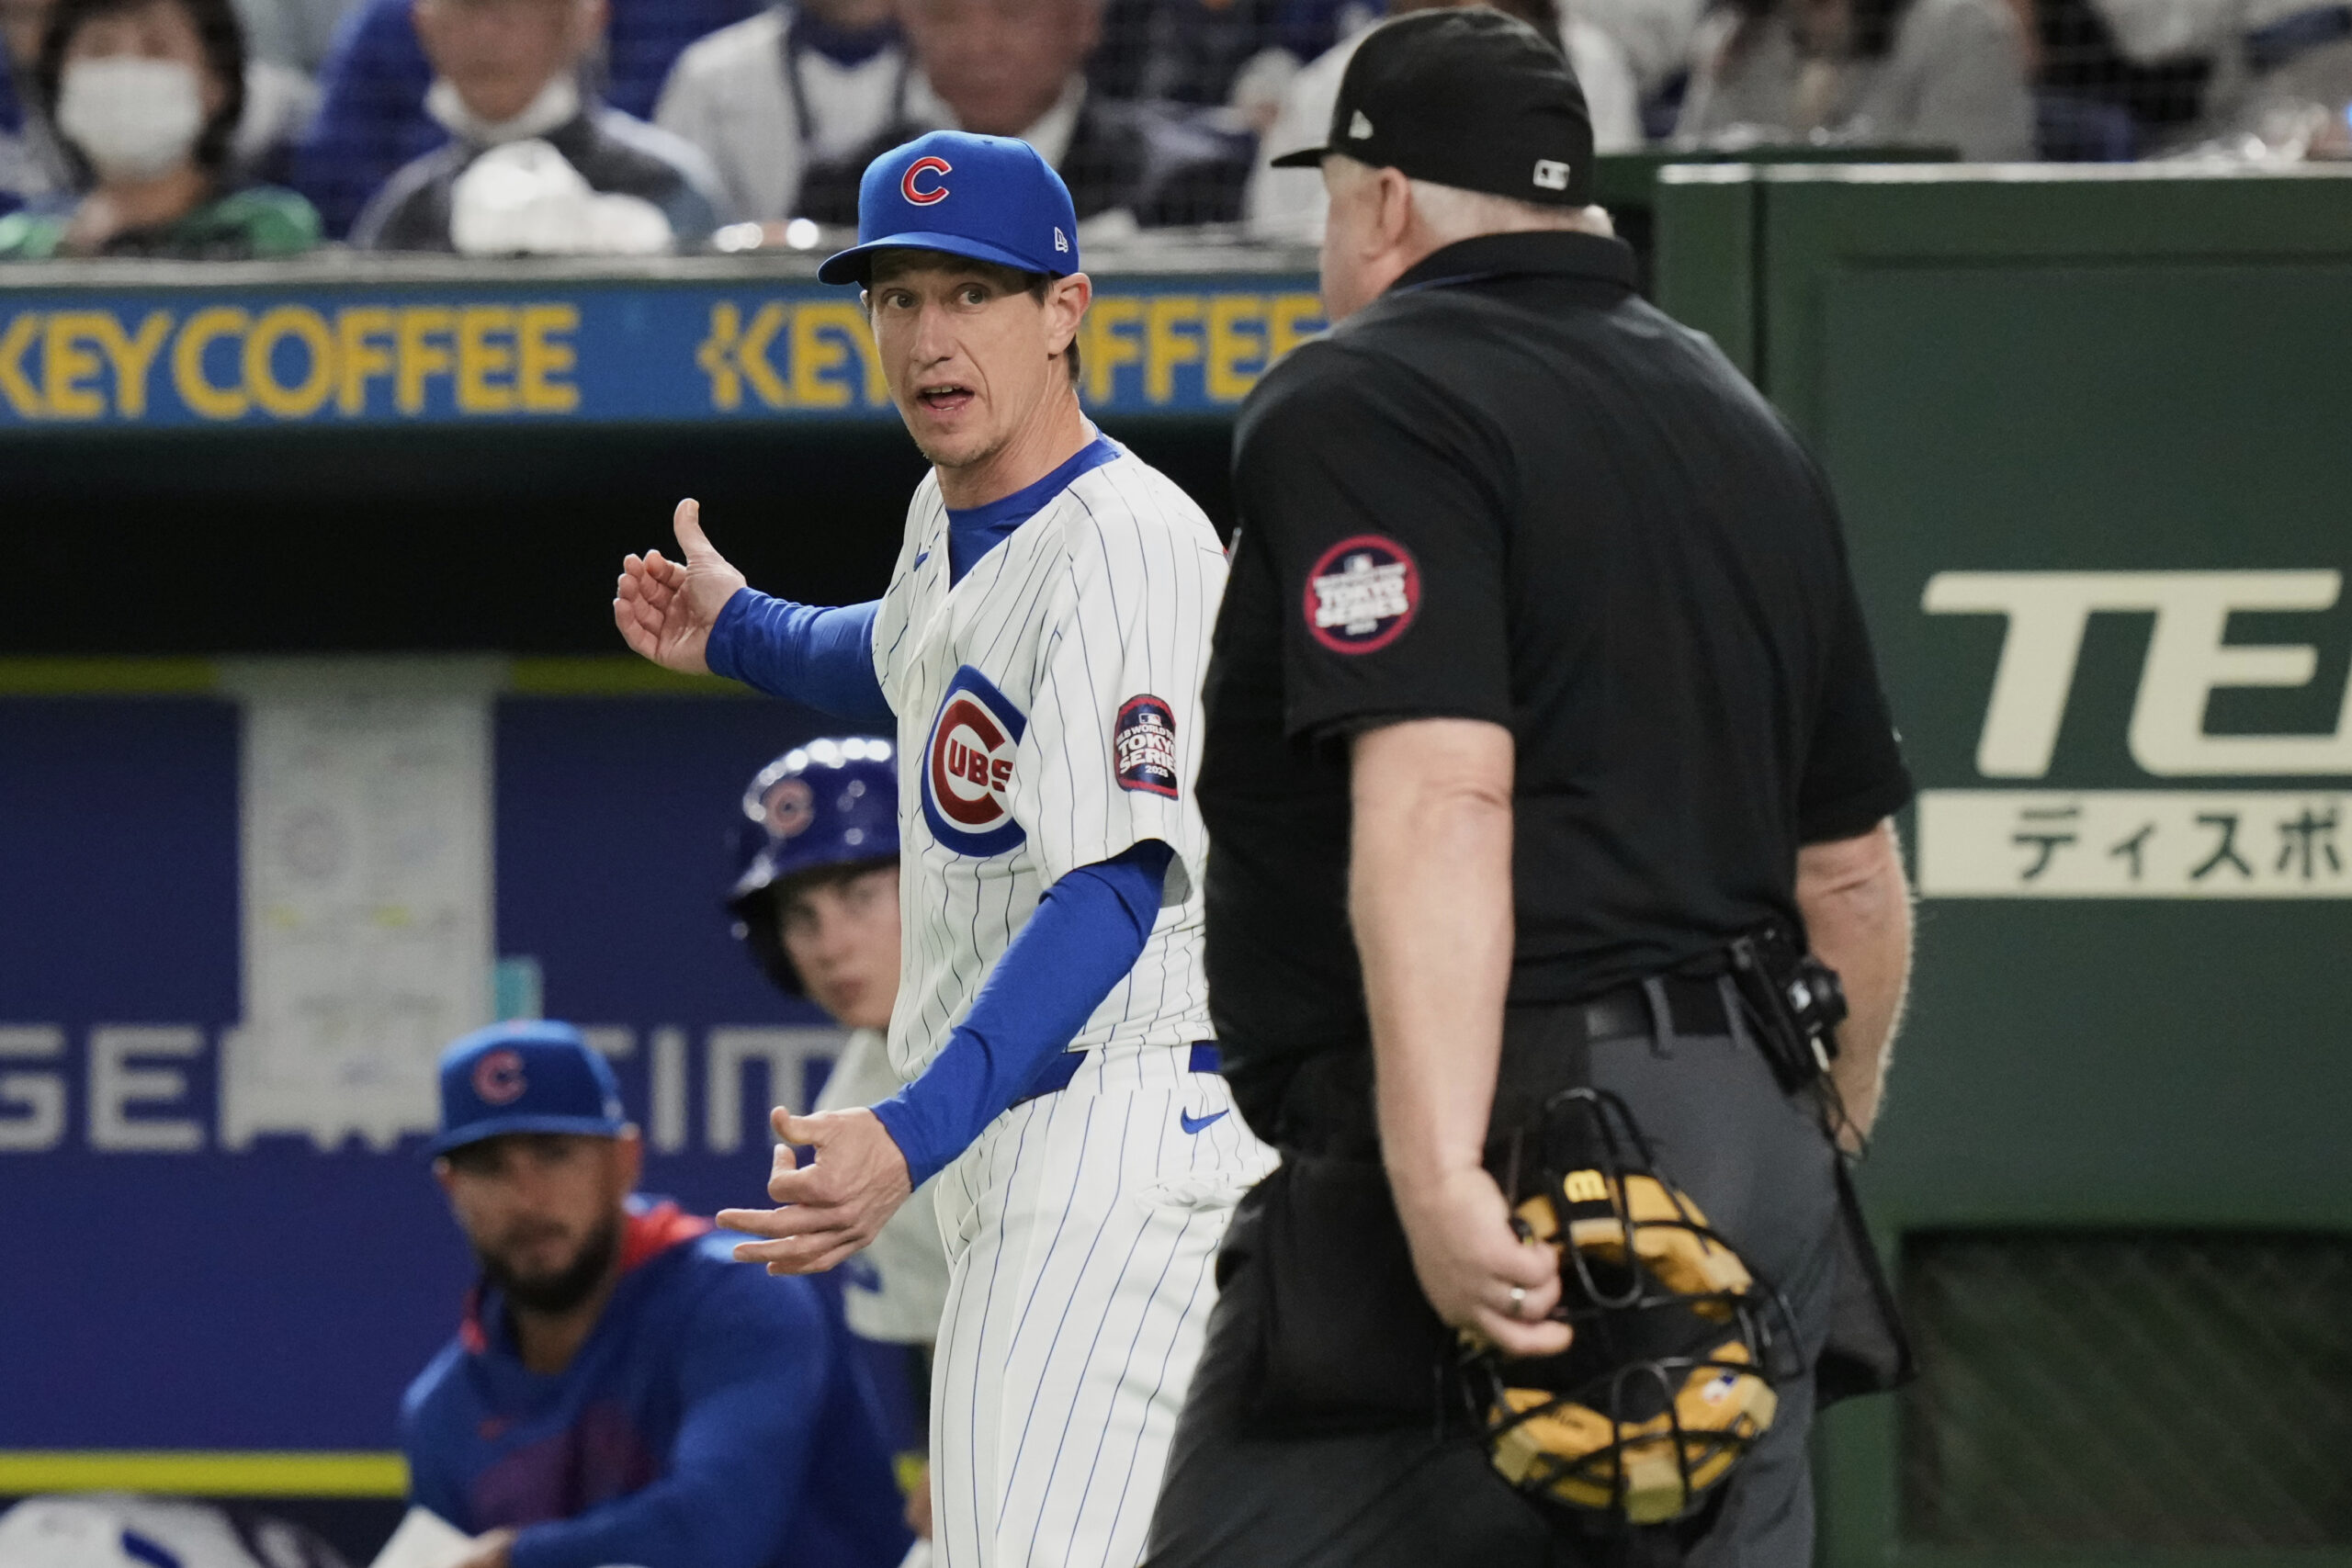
x: 260, y: 128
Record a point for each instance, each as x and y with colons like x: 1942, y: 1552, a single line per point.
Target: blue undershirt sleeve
x: 753, y: 1377
x: 823, y: 658
x: 1087, y: 932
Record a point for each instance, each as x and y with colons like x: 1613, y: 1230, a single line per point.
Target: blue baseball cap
x: 993, y: 198
x: 526, y: 1077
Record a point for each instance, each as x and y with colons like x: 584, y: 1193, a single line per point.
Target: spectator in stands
x: 507, y: 74
x: 1925, y: 73
x: 31, y: 164
x: 148, y: 95
x: 1194, y: 51
x: 620, y: 1390
x: 278, y: 101
x: 372, y: 119
x: 1012, y: 68
x: 795, y: 84
x: 294, y: 33
x: 1289, y: 204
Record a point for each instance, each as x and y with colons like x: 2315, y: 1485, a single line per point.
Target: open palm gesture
x: 665, y: 609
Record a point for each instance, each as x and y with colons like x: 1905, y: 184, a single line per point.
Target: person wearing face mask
x: 508, y: 72
x: 148, y: 95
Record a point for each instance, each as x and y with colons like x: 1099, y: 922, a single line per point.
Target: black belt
x: 1056, y: 1074
x: 1691, y: 1006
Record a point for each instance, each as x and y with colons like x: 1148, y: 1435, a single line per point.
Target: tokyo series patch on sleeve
x: 1361, y: 594
x: 1143, y: 747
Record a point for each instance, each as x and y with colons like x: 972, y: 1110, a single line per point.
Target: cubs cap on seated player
x: 537, y: 1076
x: 991, y: 198
x: 1469, y: 99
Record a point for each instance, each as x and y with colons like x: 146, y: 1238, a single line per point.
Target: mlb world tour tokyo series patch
x: 1361, y: 594
x: 1143, y: 747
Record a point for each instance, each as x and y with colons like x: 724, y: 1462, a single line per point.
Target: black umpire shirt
x: 1511, y: 490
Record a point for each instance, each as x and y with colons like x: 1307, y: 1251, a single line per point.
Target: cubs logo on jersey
x: 968, y: 767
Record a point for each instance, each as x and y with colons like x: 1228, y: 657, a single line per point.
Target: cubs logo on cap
x: 991, y: 198
x: 967, y: 768
x: 535, y: 1076
x: 919, y: 194
x: 1361, y: 594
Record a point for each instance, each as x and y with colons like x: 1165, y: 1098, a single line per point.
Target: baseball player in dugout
x: 816, y: 905
x: 1039, y: 650
x: 1550, y: 779
x: 620, y: 1390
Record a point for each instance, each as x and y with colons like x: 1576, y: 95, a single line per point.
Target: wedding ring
x: 1519, y: 1301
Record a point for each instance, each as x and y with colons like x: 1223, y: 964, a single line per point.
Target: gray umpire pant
x: 1759, y: 1165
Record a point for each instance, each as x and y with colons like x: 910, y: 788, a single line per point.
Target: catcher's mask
x: 1670, y: 1380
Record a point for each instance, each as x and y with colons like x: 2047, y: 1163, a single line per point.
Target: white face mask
x: 132, y: 117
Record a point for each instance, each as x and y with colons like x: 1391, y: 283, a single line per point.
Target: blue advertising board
x: 176, y: 1285
x: 373, y: 353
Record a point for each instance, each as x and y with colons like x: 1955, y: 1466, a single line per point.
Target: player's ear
x: 446, y: 1174
x: 1066, y: 304
x: 628, y: 1159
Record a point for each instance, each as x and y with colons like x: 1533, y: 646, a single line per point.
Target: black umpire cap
x: 1469, y: 99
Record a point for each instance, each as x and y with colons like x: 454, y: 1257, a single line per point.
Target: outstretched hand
x: 665, y: 609
x: 834, y: 1204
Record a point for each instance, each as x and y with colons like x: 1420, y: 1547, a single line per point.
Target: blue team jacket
x: 716, y: 1417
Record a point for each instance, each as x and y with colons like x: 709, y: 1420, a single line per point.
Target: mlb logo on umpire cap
x: 526, y: 1077
x: 991, y: 198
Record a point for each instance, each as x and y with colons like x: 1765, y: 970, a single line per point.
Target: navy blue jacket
x: 716, y: 1417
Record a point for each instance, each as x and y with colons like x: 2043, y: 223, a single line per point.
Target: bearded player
x: 1040, y: 650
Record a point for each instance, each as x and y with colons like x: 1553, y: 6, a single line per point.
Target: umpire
x: 1540, y: 682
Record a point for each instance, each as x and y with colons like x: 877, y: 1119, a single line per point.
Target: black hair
x: 217, y: 31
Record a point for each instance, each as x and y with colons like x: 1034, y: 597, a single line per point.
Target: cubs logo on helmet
x: 968, y: 767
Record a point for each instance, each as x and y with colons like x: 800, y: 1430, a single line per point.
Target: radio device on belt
x: 1795, y: 1003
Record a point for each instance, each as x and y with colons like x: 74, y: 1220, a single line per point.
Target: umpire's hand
x: 834, y: 1205
x: 666, y: 610
x: 1470, y: 1261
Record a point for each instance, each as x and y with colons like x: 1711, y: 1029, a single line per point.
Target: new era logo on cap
x: 1551, y: 173
x: 1358, y: 127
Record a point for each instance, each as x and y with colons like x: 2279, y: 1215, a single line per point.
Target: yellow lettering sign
x: 205, y: 398
x: 544, y: 356
x: 15, y: 385
x: 304, y: 398
x: 1107, y: 347
x: 485, y: 349
x: 1290, y: 321
x: 1237, y: 336
x: 363, y: 353
x: 70, y: 361
x: 1165, y: 347
x: 132, y: 356
x: 420, y: 349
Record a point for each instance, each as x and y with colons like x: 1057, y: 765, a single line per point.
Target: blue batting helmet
x: 830, y: 803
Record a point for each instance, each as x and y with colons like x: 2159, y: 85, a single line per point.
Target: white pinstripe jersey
x: 1049, y: 718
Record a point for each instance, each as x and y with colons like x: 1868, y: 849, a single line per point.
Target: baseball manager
x: 1545, y: 752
